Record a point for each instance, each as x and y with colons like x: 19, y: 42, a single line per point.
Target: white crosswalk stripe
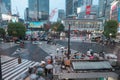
x: 7, y: 45
x: 12, y: 70
x: 52, y: 49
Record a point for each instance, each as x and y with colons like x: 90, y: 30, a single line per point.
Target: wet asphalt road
x: 34, y: 53
x: 85, y: 46
x: 31, y: 52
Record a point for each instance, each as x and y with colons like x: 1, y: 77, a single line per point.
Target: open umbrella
x: 40, y: 69
x: 49, y: 66
x: 33, y: 76
x: 48, y: 57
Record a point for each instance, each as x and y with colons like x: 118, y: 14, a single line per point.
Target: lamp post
x: 110, y: 35
x: 69, y: 52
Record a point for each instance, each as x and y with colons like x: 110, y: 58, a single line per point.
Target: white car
x: 36, y: 42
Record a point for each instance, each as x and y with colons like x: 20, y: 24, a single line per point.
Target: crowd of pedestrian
x: 41, y: 71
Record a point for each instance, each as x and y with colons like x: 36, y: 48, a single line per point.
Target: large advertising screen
x: 119, y: 15
x: 36, y: 24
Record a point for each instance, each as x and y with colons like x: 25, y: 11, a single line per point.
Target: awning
x: 87, y: 75
x: 91, y: 65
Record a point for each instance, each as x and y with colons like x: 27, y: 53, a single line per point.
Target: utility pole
x: 0, y: 53
x: 69, y: 51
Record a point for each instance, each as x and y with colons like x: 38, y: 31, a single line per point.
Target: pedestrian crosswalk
x: 13, y: 71
x: 7, y: 45
x: 52, y: 49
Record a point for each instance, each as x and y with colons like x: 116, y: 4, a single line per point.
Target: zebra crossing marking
x: 17, y: 76
x: 21, y: 69
x: 52, y: 49
x: 12, y: 70
x: 8, y: 69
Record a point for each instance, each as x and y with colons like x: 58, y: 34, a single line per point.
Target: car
x: 1, y: 39
x: 18, y: 41
x: 36, y: 42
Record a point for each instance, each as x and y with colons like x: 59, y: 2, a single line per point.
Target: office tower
x: 6, y: 6
x: 104, y: 9
x: 26, y: 13
x: 38, y: 9
x: 61, y: 14
x: 75, y: 5
x: 69, y: 7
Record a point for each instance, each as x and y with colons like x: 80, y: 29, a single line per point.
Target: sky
x: 20, y: 5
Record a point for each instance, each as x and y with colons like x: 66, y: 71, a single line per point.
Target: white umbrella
x: 33, y: 76
x: 48, y: 57
x: 41, y: 78
x: 40, y: 69
x: 49, y: 66
x: 43, y: 62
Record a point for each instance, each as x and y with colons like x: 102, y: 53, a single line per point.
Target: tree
x: 16, y: 30
x: 2, y: 32
x: 110, y: 28
x: 57, y: 26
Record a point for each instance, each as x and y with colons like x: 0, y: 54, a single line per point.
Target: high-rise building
x: 26, y: 13
x: 82, y: 6
x: 69, y: 7
x: 75, y: 5
x: 61, y: 14
x: 6, y: 6
x: 104, y: 9
x: 38, y: 9
x: 80, y: 3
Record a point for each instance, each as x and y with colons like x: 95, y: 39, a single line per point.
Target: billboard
x: 88, y: 9
x: 36, y: 24
x: 119, y: 15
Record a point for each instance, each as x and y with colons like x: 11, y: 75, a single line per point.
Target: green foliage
x: 110, y: 27
x: 2, y: 32
x: 16, y: 30
x: 46, y: 27
x: 57, y: 26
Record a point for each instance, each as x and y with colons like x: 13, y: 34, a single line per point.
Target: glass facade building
x: 6, y: 4
x: 39, y: 9
x: 69, y: 7
x: 61, y: 14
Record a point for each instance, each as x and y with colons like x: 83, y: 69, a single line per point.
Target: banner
x: 88, y: 9
x: 36, y: 24
x: 119, y: 15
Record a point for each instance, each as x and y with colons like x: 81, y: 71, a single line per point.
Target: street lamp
x: 110, y: 35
